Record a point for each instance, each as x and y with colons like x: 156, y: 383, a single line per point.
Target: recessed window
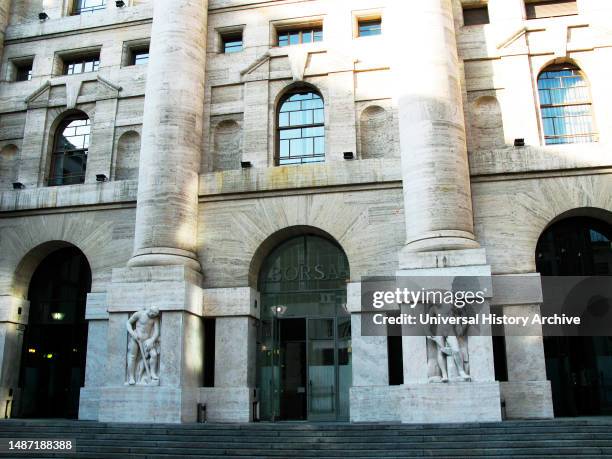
x: 369, y: 27
x: 565, y: 106
x: 21, y: 69
x: 300, y: 35
x: 83, y: 64
x: 476, y: 16
x: 550, y: 8
x: 88, y: 6
x: 231, y: 42
x: 71, y: 146
x: 140, y: 57
x: 301, y: 128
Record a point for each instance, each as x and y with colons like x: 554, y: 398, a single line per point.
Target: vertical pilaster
x: 5, y: 11
x: 166, y: 216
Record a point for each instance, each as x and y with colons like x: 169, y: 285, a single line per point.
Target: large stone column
x: 164, y: 272
x: 435, y: 170
x: 166, y: 217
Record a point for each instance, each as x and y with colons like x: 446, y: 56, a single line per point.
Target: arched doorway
x: 304, y: 342
x: 55, y: 340
x: 579, y: 368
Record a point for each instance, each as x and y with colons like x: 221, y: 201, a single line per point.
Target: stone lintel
x: 231, y: 301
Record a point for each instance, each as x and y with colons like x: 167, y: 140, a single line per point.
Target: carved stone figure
x: 447, y: 349
x: 143, y: 347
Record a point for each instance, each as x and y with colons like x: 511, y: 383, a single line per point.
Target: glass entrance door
x: 304, y: 347
x: 322, y: 375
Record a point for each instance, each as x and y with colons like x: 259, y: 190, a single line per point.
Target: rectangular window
x: 140, y: 57
x: 231, y: 42
x: 83, y: 64
x: 299, y: 36
x: 551, y: 8
x: 476, y: 16
x: 88, y: 6
x: 370, y: 27
x: 23, y: 70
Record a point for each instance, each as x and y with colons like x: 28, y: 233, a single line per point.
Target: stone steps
x: 576, y: 438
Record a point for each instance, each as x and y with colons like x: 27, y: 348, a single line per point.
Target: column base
x: 228, y: 404
x: 450, y: 403
x: 527, y: 399
x: 442, y: 240
x: 148, y: 404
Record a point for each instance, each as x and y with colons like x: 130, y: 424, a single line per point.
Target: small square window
x: 369, y: 27
x: 231, y: 42
x: 536, y: 9
x: 23, y: 71
x: 139, y: 56
x: 476, y: 16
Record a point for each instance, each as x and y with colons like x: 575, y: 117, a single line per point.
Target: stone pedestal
x: 454, y: 402
x: 176, y: 292
x: 423, y: 401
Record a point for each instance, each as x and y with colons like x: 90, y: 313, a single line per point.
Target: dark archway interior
x: 579, y: 368
x: 55, y: 339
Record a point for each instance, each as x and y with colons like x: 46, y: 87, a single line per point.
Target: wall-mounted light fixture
x: 246, y: 164
x: 519, y: 142
x: 18, y: 186
x: 348, y: 155
x: 101, y: 178
x: 43, y: 16
x: 120, y: 3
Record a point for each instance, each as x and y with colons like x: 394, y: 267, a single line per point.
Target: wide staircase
x: 576, y: 438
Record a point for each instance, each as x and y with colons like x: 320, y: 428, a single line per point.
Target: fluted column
x: 435, y: 170
x: 166, y: 216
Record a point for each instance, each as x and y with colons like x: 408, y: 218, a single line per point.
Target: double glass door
x: 308, y: 375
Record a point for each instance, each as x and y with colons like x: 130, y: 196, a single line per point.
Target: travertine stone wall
x: 166, y: 216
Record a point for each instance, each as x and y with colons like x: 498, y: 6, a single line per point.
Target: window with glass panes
x: 301, y: 129
x: 88, y: 6
x: 82, y: 65
x: 140, y: 56
x: 299, y: 36
x: 565, y: 106
x: 232, y: 43
x: 71, y: 146
x: 368, y: 28
x: 23, y: 72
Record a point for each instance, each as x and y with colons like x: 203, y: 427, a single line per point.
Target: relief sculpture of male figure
x: 143, y: 346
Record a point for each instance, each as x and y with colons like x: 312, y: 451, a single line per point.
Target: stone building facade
x: 425, y: 150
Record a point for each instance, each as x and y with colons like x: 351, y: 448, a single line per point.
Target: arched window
x: 565, y: 105
x: 70, y: 148
x: 301, y: 128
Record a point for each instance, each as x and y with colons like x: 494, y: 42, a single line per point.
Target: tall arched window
x: 565, y: 105
x: 301, y: 128
x: 70, y: 148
